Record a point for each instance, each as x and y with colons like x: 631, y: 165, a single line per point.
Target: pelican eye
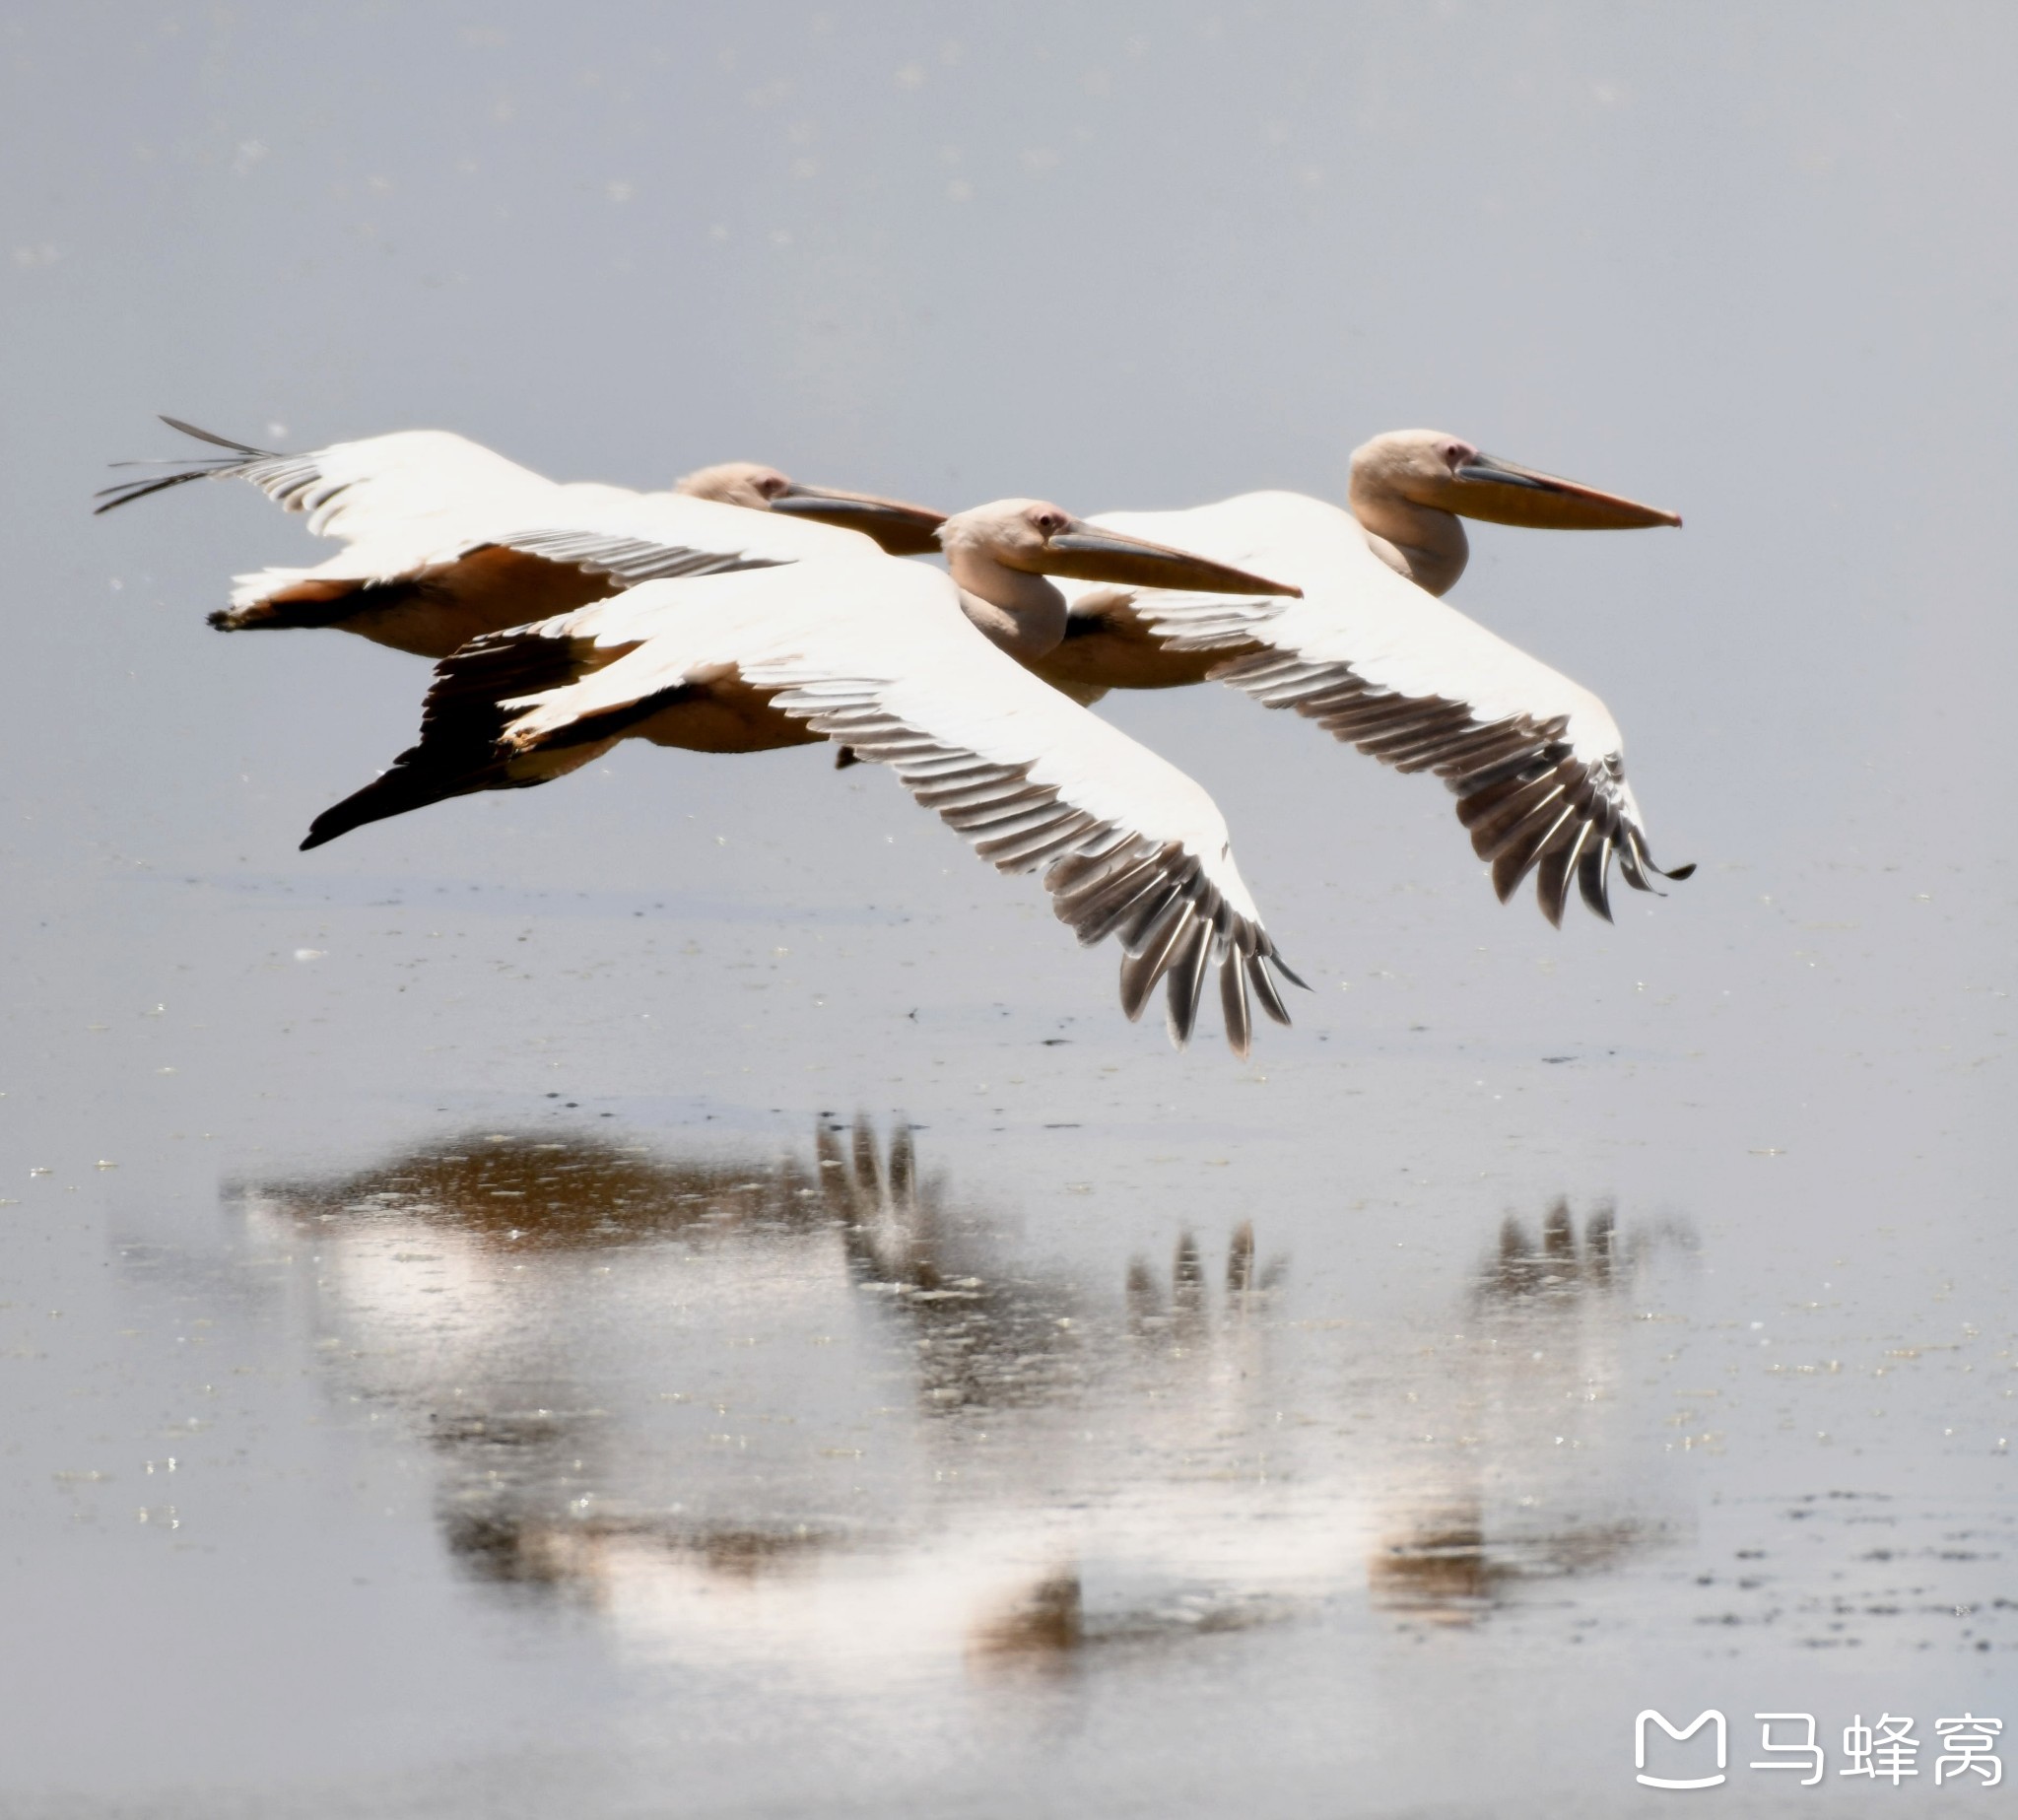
x: 1457, y: 455
x: 1050, y: 520
x: 771, y: 486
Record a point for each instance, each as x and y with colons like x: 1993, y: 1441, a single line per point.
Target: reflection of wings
x: 524, y: 1195
x: 576, y: 1431
x: 1547, y: 1319
x: 878, y: 656
x: 1523, y: 1269
x: 1555, y: 1270
x: 1536, y: 762
x: 420, y: 506
x: 1187, y: 1316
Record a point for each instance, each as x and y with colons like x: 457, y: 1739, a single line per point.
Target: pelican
x: 1372, y: 656
x: 446, y: 540
x: 909, y: 666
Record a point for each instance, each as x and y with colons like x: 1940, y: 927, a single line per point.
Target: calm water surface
x: 678, y: 1294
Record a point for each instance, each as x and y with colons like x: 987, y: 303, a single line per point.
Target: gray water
x: 678, y: 1293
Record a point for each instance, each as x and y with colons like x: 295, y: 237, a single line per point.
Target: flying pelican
x: 909, y: 666
x: 446, y: 540
x: 1536, y: 762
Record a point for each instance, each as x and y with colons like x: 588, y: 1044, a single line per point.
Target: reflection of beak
x: 1504, y: 493
x: 1090, y: 553
x: 902, y: 530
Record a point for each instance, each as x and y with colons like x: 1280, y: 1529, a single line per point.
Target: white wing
x: 1536, y: 762
x: 412, y: 505
x: 657, y: 536
x: 876, y: 654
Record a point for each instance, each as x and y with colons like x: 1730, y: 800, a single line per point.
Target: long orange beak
x: 1093, y: 553
x: 1505, y: 492
x: 902, y: 529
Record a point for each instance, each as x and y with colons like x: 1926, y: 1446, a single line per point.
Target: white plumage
x: 418, y: 499
x: 1535, y: 760
x: 445, y: 540
x: 877, y: 654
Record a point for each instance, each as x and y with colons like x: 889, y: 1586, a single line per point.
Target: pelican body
x: 906, y: 665
x: 1373, y: 656
x: 446, y: 540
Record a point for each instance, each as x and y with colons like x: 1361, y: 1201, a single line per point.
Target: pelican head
x: 1410, y: 487
x: 1036, y: 538
x: 902, y: 529
x: 1000, y: 554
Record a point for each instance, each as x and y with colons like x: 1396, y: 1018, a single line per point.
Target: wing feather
x: 1535, y: 761
x: 413, y: 506
x: 876, y: 654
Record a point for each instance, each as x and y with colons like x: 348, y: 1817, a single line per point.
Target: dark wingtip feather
x: 1552, y: 877
x: 1188, y: 963
x: 1550, y: 824
x: 1155, y: 915
x: 1233, y: 1004
x: 1141, y: 970
x: 1636, y: 862
x: 1155, y: 898
x: 127, y: 491
x: 1592, y: 877
x: 1138, y: 981
x: 1283, y: 968
x: 1101, y: 907
x: 211, y: 436
x: 1256, y: 968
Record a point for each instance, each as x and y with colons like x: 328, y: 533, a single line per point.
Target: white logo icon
x: 1688, y: 1731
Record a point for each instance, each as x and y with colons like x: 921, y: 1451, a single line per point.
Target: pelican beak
x: 1092, y: 553
x: 902, y: 529
x: 1504, y: 493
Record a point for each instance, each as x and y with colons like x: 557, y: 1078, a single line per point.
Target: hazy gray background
x: 1752, y: 264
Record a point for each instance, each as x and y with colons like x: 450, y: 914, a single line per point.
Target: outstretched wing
x: 637, y: 537
x: 414, y: 507
x: 876, y: 654
x: 1538, y: 763
x: 357, y: 491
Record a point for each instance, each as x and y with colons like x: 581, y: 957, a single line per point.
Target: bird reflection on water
x: 816, y: 1411
x: 1544, y: 1314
